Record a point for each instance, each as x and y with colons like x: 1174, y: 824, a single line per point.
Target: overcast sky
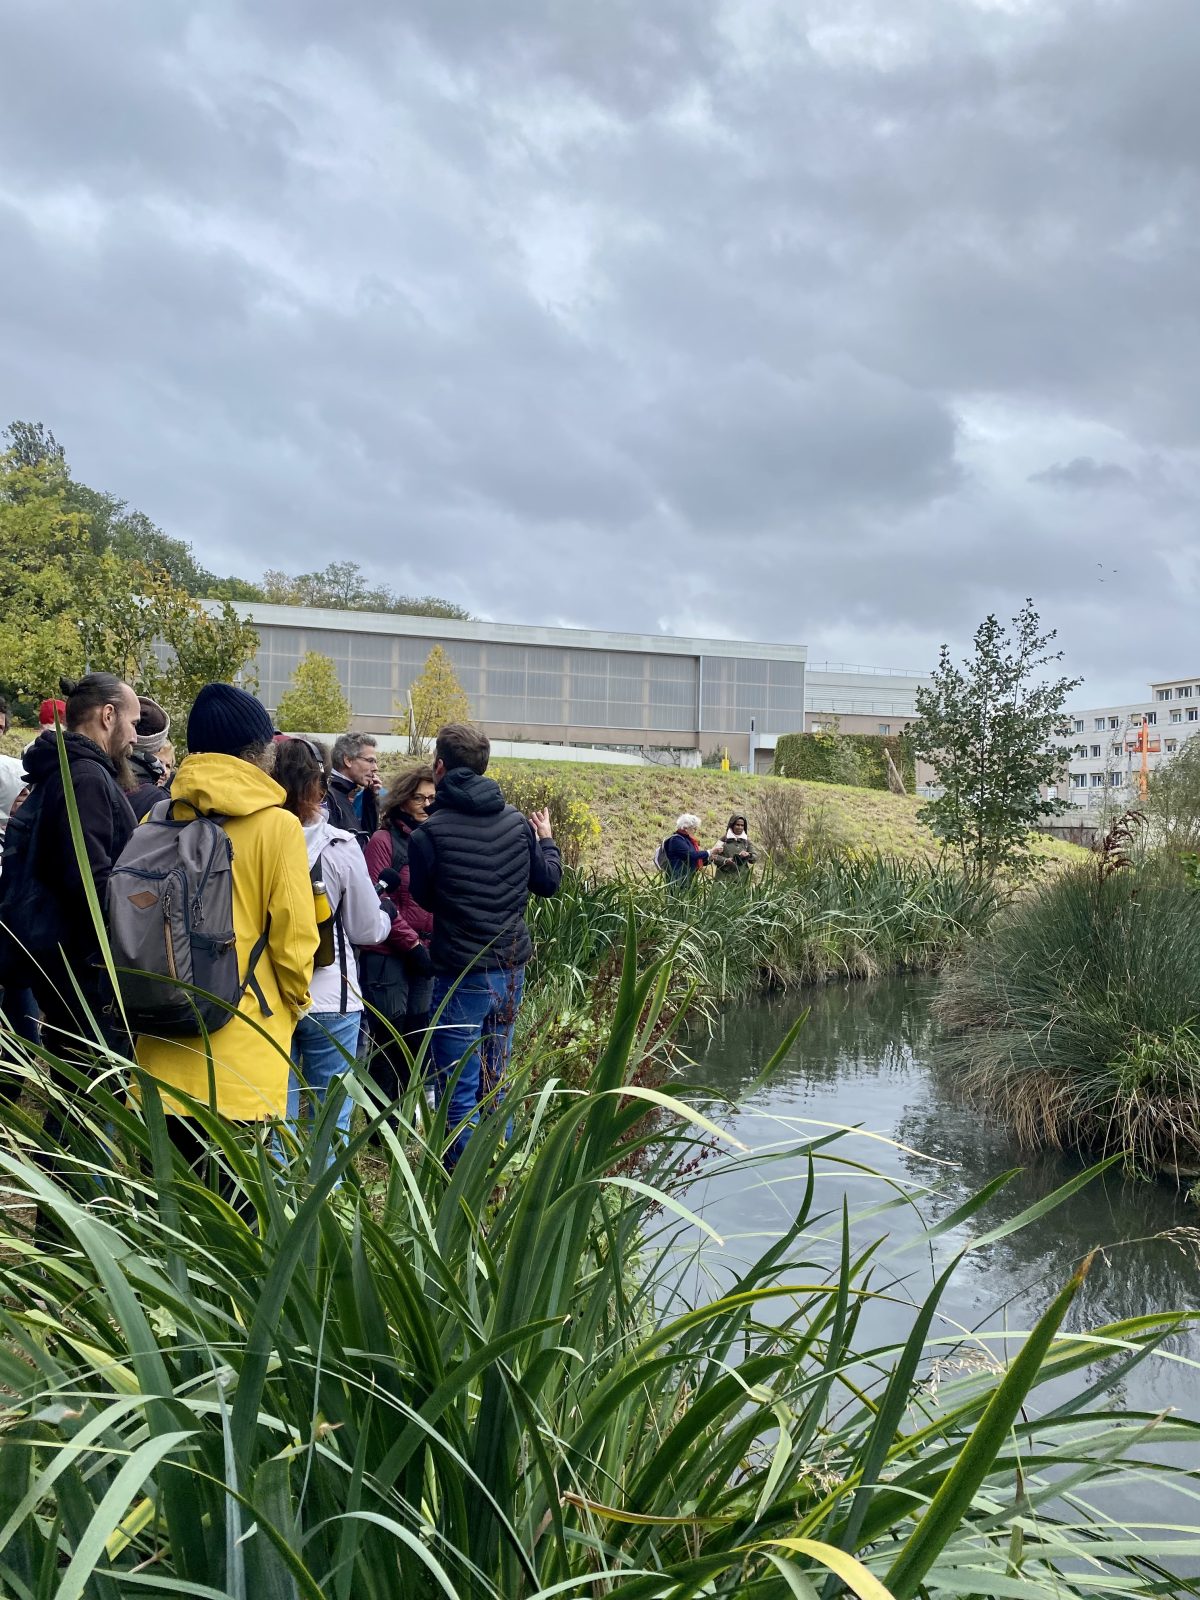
x: 835, y: 321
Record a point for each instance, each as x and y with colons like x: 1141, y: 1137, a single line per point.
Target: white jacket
x: 348, y: 884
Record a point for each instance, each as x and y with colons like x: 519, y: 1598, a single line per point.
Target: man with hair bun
x: 43, y: 904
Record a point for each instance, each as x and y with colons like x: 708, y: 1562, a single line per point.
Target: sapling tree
x: 987, y: 729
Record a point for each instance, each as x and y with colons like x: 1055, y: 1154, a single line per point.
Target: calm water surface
x: 863, y: 1060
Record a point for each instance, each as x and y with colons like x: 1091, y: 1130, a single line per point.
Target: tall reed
x: 1076, y: 1017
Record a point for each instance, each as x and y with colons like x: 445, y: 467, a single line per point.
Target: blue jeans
x: 476, y: 1028
x: 315, y: 1051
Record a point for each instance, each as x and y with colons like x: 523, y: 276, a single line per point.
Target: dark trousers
x: 389, y: 1063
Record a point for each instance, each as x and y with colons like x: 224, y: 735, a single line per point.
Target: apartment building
x: 1103, y: 754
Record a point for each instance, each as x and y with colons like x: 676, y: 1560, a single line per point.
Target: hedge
x: 854, y: 758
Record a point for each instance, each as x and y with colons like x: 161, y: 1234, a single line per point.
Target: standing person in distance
x: 737, y: 855
x: 474, y: 865
x: 681, y: 854
x: 350, y: 802
x: 398, y: 974
x: 326, y: 1036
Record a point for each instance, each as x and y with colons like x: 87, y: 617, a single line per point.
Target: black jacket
x: 105, y: 818
x: 339, y: 804
x: 474, y: 864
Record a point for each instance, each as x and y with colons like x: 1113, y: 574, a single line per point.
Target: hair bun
x: 67, y: 687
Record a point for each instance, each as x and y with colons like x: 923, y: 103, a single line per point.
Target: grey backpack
x: 170, y: 921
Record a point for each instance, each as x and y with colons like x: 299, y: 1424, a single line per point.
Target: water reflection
x: 862, y: 1059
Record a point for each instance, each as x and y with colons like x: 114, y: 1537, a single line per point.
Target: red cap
x: 47, y: 709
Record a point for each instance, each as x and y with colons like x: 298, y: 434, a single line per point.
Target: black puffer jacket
x: 105, y: 817
x: 474, y: 864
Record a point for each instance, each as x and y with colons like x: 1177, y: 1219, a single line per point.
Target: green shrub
x: 1076, y: 1018
x: 854, y: 758
x: 535, y: 1378
x: 575, y: 825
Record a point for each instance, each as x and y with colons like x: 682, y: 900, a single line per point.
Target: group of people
x: 406, y: 907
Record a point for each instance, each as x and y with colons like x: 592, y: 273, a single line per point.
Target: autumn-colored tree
x: 315, y: 702
x: 434, y: 699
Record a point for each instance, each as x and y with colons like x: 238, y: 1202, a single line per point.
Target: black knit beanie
x: 224, y: 720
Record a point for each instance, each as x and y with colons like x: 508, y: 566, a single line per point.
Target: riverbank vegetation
x: 539, y: 1377
x: 1075, y: 1016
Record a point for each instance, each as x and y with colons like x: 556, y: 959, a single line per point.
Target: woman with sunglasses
x: 398, y: 975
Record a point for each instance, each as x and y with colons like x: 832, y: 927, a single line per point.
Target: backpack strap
x: 339, y: 936
x: 252, y: 983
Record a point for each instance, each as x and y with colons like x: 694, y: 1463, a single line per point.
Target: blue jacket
x: 683, y: 857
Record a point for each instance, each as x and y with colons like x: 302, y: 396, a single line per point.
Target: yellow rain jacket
x: 270, y: 879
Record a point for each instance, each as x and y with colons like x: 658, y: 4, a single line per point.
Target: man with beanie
x: 241, y: 1070
x: 474, y: 864
x: 153, y: 728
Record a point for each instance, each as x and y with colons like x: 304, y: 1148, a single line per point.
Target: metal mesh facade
x: 518, y: 685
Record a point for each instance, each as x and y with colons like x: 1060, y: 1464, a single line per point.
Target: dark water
x: 863, y: 1059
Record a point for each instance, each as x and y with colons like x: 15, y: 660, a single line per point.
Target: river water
x: 863, y: 1059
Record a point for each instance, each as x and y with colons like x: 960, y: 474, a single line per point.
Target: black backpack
x: 31, y: 917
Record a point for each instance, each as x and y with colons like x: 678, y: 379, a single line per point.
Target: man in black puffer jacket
x: 474, y: 864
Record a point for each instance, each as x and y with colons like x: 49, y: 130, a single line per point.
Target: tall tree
x: 42, y: 547
x: 434, y: 699
x: 987, y: 729
x: 314, y: 703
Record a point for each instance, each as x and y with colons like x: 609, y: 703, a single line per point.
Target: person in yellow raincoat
x: 228, y: 734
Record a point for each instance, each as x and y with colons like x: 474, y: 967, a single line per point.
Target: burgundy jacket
x: 412, y: 924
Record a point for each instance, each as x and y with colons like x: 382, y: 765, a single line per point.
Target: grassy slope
x: 637, y: 808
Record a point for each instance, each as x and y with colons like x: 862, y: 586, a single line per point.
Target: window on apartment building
x: 1114, y: 722
x: 1095, y: 752
x: 1185, y: 693
x: 1099, y: 724
x: 1162, y: 694
x: 1151, y: 717
x: 1193, y: 714
x: 1078, y: 724
x: 885, y: 727
x: 1177, y: 716
x: 1081, y: 750
x: 1170, y: 746
x: 1079, y: 780
x: 1114, y: 780
x: 1097, y: 780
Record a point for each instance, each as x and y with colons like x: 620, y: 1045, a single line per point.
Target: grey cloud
x: 1082, y: 472
x: 551, y: 307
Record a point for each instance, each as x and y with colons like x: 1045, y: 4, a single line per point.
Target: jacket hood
x: 41, y: 758
x: 318, y: 834
x: 472, y: 792
x: 225, y: 784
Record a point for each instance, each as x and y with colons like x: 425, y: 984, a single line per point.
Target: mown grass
x: 1076, y: 1017
x: 536, y: 1377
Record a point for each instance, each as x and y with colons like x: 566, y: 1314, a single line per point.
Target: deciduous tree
x: 987, y: 729
x: 434, y: 699
x: 315, y: 702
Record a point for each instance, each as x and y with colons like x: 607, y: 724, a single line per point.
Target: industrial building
x: 569, y: 686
